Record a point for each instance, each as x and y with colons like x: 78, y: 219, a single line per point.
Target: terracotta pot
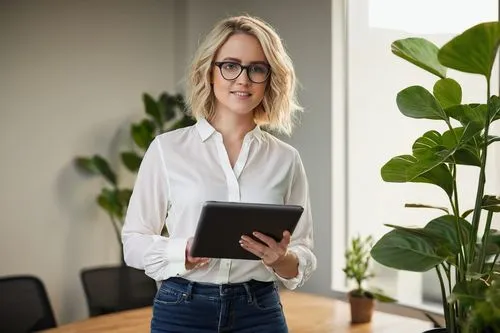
x: 361, y: 309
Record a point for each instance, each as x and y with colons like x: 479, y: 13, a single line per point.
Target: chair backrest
x: 116, y: 288
x: 24, y: 305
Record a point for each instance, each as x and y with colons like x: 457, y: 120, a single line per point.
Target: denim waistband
x: 217, y: 290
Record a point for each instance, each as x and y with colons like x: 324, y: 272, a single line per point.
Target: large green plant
x: 162, y: 115
x: 463, y: 254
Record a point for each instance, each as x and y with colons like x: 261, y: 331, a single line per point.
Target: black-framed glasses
x: 257, y: 73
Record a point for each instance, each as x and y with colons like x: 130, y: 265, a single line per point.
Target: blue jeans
x: 184, y: 306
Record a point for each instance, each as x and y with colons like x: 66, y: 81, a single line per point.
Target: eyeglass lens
x: 256, y: 72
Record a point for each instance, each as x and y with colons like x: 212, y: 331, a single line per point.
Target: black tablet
x: 221, y: 225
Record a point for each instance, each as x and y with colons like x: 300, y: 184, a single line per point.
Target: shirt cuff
x: 176, y: 256
x: 176, y: 250
x: 295, y: 281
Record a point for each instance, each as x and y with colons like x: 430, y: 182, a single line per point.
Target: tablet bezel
x: 221, y: 225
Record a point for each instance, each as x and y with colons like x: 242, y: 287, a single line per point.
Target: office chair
x: 116, y: 288
x: 24, y: 305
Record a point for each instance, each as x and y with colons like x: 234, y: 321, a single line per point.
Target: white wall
x: 71, y: 78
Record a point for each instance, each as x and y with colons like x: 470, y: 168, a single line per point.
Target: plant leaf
x: 491, y: 203
x: 401, y: 169
x: 382, y: 297
x: 152, y: 108
x: 104, y: 169
x: 409, y: 205
x: 474, y: 50
x: 433, y: 144
x: 467, y: 213
x: 143, y: 133
x: 494, y: 108
x: 469, y: 292
x: 440, y: 243
x: 168, y: 106
x: 131, y: 160
x: 446, y: 228
x: 108, y: 200
x: 420, y: 52
x: 124, y: 196
x: 417, y: 102
x: 86, y: 165
x: 448, y: 92
x: 427, y: 145
x: 406, y: 251
x: 96, y: 165
x: 466, y: 153
x: 466, y: 114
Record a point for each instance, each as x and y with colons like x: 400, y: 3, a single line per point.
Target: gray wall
x: 71, y: 79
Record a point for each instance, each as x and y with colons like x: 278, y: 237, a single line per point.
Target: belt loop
x: 248, y: 291
x: 189, y: 291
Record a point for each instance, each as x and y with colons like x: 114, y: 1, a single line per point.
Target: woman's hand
x: 271, y: 252
x: 193, y: 262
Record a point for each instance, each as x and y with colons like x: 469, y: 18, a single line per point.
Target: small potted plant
x: 357, y: 269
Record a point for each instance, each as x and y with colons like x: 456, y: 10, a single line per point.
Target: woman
x: 241, y: 78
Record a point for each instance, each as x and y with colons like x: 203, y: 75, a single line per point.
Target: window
x: 368, y: 129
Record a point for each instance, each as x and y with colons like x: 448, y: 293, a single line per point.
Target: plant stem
x: 451, y: 129
x: 493, y: 140
x: 448, y: 275
x: 484, y: 240
x: 480, y: 185
x: 452, y: 318
x: 461, y: 262
x: 117, y: 231
x: 493, y: 263
x: 443, y: 295
x: 452, y: 308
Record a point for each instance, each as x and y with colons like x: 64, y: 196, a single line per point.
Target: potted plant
x: 460, y: 244
x: 357, y: 269
x: 163, y: 114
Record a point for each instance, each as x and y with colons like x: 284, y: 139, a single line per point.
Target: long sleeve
x: 143, y: 246
x: 301, y: 243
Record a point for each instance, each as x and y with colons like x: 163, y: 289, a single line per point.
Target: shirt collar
x: 206, y: 130
x: 258, y: 133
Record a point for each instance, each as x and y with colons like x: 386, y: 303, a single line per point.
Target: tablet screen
x: 221, y: 225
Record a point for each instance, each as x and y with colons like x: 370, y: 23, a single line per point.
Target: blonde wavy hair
x: 276, y: 112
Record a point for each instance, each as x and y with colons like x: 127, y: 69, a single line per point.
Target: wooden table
x: 305, y: 313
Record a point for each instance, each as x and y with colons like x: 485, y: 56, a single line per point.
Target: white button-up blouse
x: 184, y: 168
